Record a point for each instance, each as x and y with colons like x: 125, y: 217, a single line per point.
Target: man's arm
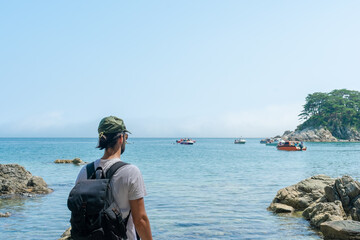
x: 140, y: 218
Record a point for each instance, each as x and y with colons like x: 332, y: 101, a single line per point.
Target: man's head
x: 111, y: 130
x: 111, y: 124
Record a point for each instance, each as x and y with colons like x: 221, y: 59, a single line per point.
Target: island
x: 328, y: 117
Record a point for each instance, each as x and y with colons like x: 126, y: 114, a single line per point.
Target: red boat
x: 186, y: 141
x: 291, y: 146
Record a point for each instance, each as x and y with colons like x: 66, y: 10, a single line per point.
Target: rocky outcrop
x: 310, y: 135
x: 304, y: 193
x: 324, y: 200
x: 339, y: 134
x: 346, y: 133
x: 324, y: 211
x: 66, y: 235
x: 14, y: 179
x: 341, y: 230
x: 7, y: 214
x: 76, y: 161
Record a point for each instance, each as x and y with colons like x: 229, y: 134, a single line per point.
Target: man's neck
x: 111, y: 154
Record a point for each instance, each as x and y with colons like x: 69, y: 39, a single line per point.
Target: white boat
x: 240, y: 141
x: 274, y: 142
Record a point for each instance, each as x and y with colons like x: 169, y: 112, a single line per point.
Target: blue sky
x: 171, y: 68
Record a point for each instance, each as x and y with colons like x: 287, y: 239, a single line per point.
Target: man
x: 127, y: 184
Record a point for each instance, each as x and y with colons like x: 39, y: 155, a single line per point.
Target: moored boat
x: 291, y: 146
x: 240, y: 141
x: 274, y: 142
x: 186, y: 141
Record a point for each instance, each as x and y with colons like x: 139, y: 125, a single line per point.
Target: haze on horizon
x: 171, y: 69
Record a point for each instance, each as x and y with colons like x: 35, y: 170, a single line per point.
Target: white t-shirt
x: 126, y: 184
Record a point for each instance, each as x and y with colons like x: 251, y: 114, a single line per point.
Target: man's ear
x: 121, y: 138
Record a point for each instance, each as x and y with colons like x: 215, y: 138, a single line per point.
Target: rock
x: 14, y: 179
x: 76, y: 161
x: 280, y: 208
x: 7, y: 214
x: 321, y: 212
x: 304, y: 193
x: 310, y: 135
x: 341, y: 230
x: 66, y: 235
x: 347, y: 189
x: 331, y: 194
x: 325, y: 200
x: 320, y: 134
x: 355, y: 210
x: 346, y: 133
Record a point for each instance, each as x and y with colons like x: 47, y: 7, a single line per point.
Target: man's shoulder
x: 128, y: 170
x: 131, y: 168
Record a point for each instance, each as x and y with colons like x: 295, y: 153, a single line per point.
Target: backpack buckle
x: 115, y: 211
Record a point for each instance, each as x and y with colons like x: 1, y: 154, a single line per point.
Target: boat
x: 274, y: 142
x: 186, y: 141
x: 240, y: 141
x: 291, y: 146
x: 263, y: 141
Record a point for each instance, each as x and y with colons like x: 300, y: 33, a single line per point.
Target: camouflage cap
x: 111, y: 124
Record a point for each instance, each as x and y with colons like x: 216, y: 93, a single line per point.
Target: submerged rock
x: 280, y: 208
x: 7, y: 214
x: 341, y: 230
x: 76, y: 161
x: 14, y: 179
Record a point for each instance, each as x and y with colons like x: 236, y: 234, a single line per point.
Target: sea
x: 214, y: 189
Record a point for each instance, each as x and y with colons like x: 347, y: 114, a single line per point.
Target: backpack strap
x: 114, y: 168
x: 90, y: 169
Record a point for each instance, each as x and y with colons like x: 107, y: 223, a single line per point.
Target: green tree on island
x: 335, y: 111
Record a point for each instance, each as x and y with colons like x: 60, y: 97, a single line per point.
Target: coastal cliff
x: 330, y: 205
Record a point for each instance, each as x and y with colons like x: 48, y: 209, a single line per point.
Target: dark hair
x: 108, y: 140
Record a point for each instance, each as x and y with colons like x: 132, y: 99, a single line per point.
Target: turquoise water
x: 213, y: 189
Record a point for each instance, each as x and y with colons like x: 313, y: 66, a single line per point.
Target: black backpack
x: 94, y: 214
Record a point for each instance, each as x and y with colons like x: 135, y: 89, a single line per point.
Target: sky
x: 171, y: 68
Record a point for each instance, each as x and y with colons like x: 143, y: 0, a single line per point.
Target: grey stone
x: 76, y: 161
x: 341, y: 230
x: 304, y: 193
x: 280, y: 208
x: 323, y: 212
x: 331, y: 194
x: 7, y: 214
x: 66, y: 235
x: 348, y: 190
